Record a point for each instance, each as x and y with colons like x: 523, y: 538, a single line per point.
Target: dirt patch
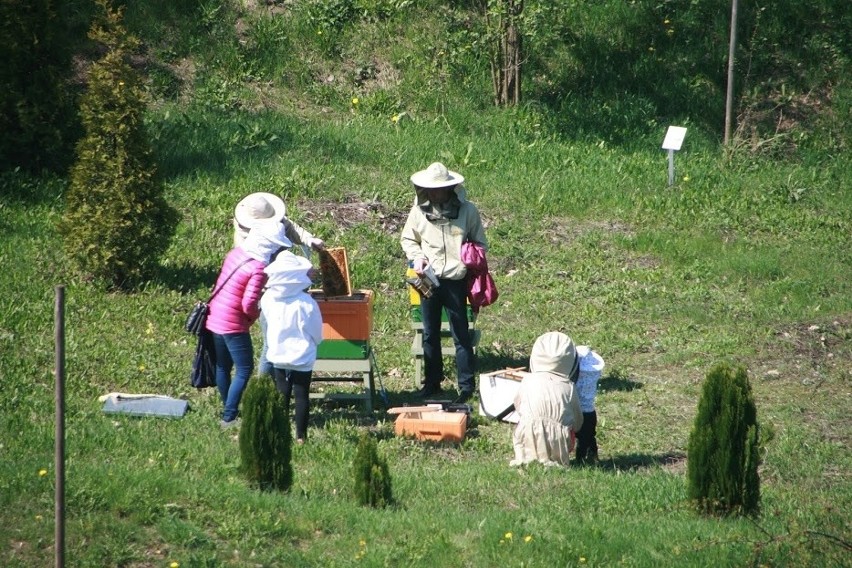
x: 352, y: 211
x: 811, y: 351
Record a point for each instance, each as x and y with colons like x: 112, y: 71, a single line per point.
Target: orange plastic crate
x: 346, y: 317
x: 437, y: 426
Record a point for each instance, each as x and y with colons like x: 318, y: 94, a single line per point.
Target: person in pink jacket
x: 236, y: 306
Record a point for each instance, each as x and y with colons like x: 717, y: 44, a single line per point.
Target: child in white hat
x: 293, y: 331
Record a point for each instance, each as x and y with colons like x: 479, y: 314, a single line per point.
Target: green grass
x: 662, y: 281
x: 746, y: 257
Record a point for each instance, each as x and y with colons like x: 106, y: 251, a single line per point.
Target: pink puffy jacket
x: 236, y: 306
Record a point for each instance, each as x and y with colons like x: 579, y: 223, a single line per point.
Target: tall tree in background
x: 116, y: 221
x: 37, y: 107
x: 503, y: 20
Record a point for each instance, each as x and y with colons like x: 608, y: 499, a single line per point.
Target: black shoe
x: 429, y: 390
x: 463, y: 397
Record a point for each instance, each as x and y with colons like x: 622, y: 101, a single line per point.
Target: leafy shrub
x: 265, y: 446
x: 116, y: 222
x: 372, y: 478
x: 723, y: 445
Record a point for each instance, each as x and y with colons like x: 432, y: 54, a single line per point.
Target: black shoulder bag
x: 197, y: 317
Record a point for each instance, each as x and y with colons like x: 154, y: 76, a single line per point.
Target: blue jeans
x: 451, y: 296
x: 233, y: 350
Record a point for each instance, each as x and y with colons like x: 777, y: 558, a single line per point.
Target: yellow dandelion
x: 395, y: 118
x: 354, y: 100
x: 508, y: 536
x: 319, y: 32
x: 42, y: 472
x: 685, y: 178
x: 528, y: 538
x: 362, y: 542
x: 38, y: 517
x: 141, y: 367
x: 174, y: 565
x: 666, y: 21
x: 582, y: 560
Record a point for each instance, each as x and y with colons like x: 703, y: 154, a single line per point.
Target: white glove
x: 315, y: 243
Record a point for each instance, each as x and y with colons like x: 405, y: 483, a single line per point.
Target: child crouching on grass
x: 293, y: 331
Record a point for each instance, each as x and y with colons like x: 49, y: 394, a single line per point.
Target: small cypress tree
x: 372, y: 477
x: 116, y: 221
x: 265, y: 446
x: 723, y: 450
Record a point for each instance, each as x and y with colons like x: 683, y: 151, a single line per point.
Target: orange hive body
x: 438, y: 426
x: 346, y: 317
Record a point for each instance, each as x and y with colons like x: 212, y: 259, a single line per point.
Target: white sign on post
x: 672, y: 142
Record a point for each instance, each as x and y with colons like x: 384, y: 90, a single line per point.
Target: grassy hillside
x: 745, y: 258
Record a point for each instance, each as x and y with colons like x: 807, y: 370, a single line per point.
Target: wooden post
x: 59, y: 441
x: 732, y: 49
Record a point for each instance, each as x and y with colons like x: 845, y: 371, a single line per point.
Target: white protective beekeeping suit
x: 547, y: 404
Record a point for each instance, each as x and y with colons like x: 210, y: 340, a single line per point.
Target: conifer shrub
x: 264, y: 439
x: 116, y: 222
x: 372, y: 477
x: 723, y: 449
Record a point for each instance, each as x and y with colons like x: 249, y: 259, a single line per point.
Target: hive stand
x: 350, y: 371
x: 345, y: 354
x: 417, y: 327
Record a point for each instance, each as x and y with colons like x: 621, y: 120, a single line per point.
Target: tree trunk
x: 507, y: 56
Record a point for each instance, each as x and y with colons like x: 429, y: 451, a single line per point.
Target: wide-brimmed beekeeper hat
x: 436, y: 176
x: 258, y: 207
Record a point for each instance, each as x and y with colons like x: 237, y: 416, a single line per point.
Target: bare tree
x: 503, y: 20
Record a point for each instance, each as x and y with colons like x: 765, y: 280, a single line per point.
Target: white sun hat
x: 260, y: 206
x: 435, y: 176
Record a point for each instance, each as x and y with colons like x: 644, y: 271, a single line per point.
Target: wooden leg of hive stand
x: 368, y: 391
x: 418, y: 371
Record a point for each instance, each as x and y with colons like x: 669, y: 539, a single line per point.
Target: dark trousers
x: 451, y: 296
x: 297, y: 383
x: 587, y: 443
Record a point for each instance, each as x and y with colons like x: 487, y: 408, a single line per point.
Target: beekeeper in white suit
x: 547, y: 403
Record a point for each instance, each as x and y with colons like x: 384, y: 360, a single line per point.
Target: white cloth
x: 549, y: 413
x: 293, y: 318
x: 591, y: 368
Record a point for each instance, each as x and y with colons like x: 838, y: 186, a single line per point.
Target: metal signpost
x: 672, y: 143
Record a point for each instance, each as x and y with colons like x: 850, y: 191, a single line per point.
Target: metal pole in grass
x: 59, y: 443
x: 672, y: 142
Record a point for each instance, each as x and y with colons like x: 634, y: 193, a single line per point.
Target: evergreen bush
x: 116, y: 221
x: 723, y: 450
x: 264, y: 439
x: 372, y: 477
